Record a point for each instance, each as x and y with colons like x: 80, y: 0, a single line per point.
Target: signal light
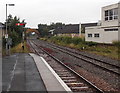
x: 20, y: 24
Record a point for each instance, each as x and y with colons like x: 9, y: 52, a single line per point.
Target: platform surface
x: 52, y: 81
x: 20, y: 73
x: 30, y: 73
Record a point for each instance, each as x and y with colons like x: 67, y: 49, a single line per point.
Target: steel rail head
x: 90, y: 83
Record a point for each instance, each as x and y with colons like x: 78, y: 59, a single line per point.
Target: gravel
x: 104, y: 80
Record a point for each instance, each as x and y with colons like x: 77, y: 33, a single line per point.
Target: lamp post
x: 6, y: 34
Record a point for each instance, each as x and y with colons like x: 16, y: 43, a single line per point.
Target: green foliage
x: 18, y: 48
x: 91, y: 43
x: 3, y: 41
x: 14, y: 32
x: 92, y: 47
x: 82, y: 46
x: 44, y: 28
x: 16, y: 38
x: 116, y: 43
x: 77, y: 40
x: 56, y: 25
x: 67, y: 39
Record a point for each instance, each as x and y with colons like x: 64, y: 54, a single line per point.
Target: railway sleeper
x: 82, y: 89
x: 68, y: 77
x: 67, y: 73
x: 61, y: 70
x: 63, y: 75
x: 56, y: 67
x: 76, y: 84
x: 70, y: 81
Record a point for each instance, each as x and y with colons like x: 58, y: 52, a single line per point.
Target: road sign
x: 9, y: 41
x: 6, y: 36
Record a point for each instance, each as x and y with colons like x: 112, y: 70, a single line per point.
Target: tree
x: 14, y: 32
x: 44, y: 28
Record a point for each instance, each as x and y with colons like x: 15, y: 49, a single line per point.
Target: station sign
x: 6, y: 36
x: 9, y: 41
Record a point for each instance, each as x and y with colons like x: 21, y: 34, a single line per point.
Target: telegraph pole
x: 6, y: 33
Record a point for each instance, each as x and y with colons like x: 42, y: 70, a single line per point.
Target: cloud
x: 46, y: 11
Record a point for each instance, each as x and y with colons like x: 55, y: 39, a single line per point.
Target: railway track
x: 74, y: 81
x: 97, y: 62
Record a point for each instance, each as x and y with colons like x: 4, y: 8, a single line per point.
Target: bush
x: 3, y: 42
x: 82, y: 46
x: 116, y: 43
x: 67, y: 40
x: 77, y: 40
x: 16, y: 38
x: 91, y: 43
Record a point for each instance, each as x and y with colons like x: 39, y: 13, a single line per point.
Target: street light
x: 6, y: 35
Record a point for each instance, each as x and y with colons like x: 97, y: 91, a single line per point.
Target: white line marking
x: 9, y: 86
x: 57, y: 77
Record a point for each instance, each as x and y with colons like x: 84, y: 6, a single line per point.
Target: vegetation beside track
x: 18, y: 49
x: 112, y: 51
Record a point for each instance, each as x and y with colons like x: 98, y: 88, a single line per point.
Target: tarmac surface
x: 19, y: 73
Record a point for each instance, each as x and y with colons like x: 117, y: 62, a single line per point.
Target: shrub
x: 77, y: 40
x: 67, y: 39
x: 82, y: 46
x: 3, y: 42
x: 116, y: 43
x: 91, y: 43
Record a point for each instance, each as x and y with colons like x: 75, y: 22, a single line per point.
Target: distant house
x: 52, y: 31
x: 107, y: 29
x: 84, y: 25
x: 69, y: 30
x: 32, y: 30
x: 72, y: 29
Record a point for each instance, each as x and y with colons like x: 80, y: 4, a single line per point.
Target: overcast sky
x: 48, y: 11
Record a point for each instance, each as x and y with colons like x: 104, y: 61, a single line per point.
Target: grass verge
x: 18, y: 49
x: 92, y: 47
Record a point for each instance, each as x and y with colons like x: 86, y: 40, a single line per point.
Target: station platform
x: 30, y: 73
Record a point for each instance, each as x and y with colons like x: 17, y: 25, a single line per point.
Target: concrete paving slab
x: 33, y: 77
x: 20, y: 74
x: 51, y: 80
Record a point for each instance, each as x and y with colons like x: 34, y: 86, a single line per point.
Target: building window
x: 114, y: 29
x: 111, y: 14
x: 106, y: 15
x: 96, y: 35
x: 116, y: 13
x: 89, y: 35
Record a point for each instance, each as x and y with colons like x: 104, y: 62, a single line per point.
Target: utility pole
x: 23, y: 33
x: 6, y: 33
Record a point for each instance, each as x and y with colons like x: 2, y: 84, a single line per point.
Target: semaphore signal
x: 20, y: 24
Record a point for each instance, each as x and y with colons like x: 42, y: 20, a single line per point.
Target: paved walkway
x: 21, y: 74
x: 51, y: 80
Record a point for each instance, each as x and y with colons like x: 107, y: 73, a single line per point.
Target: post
x: 6, y: 18
x: 80, y: 29
x: 119, y: 21
x: 6, y: 32
x: 23, y: 35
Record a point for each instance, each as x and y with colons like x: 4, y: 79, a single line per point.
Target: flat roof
x: 111, y: 5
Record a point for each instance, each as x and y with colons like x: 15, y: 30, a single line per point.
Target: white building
x: 107, y: 29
